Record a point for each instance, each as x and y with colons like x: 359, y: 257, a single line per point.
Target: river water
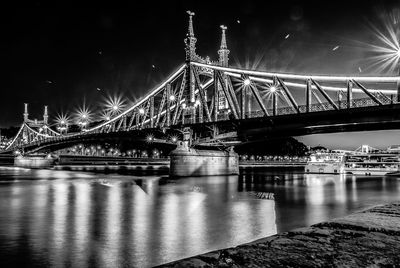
x: 99, y: 218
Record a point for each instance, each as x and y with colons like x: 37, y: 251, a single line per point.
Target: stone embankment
x: 370, y: 238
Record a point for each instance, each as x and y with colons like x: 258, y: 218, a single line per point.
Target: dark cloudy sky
x: 59, y: 54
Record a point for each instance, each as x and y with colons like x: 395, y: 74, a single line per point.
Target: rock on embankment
x: 365, y: 239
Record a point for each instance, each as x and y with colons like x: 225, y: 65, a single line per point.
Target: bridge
x: 227, y: 106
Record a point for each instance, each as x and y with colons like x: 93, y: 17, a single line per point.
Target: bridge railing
x: 325, y: 106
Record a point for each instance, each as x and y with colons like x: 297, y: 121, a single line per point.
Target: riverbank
x: 370, y: 238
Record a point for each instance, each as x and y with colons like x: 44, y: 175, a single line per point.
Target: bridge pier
x: 186, y: 161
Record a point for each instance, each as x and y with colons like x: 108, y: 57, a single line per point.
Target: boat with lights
x: 375, y: 164
x: 326, y: 163
x: 35, y: 161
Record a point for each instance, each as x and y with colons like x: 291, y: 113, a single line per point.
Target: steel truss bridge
x: 224, y: 105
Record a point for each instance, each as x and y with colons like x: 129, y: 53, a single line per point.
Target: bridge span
x: 220, y: 105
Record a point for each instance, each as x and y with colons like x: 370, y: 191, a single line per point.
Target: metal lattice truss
x: 202, y: 92
x: 31, y: 132
x: 197, y: 93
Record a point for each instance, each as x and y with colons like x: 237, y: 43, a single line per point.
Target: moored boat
x: 326, y: 162
x: 372, y: 164
x: 34, y: 161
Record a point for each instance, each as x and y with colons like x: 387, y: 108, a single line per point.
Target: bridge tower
x: 190, y: 49
x: 26, y: 114
x: 223, y: 53
x: 45, y: 115
x: 190, y: 40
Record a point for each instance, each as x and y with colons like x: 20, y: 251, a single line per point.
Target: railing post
x: 216, y: 97
x: 200, y: 105
x: 137, y: 118
x: 308, y: 96
x: 349, y: 94
x: 243, y: 102
x: 167, y: 112
x: 183, y: 115
x: 152, y: 112
x: 274, y: 99
x: 248, y: 101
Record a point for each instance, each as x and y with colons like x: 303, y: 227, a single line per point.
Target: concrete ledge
x: 369, y: 238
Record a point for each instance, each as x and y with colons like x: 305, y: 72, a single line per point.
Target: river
x: 99, y: 217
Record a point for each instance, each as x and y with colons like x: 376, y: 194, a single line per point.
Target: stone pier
x: 370, y: 238
x: 186, y: 161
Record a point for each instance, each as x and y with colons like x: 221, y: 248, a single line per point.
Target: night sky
x: 61, y: 54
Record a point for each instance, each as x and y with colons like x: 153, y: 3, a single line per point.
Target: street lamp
x: 246, y: 82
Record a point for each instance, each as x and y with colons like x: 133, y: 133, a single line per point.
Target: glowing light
x: 335, y: 48
x: 114, y: 104
x: 384, y: 48
x: 105, y: 116
x: 150, y: 138
x: 62, y: 120
x: 174, y: 139
x: 246, y: 82
x: 272, y: 89
x: 197, y: 103
x: 84, y: 116
x: 183, y: 105
x: 141, y: 111
x: 172, y: 97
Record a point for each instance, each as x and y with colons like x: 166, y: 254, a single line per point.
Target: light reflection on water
x: 77, y: 219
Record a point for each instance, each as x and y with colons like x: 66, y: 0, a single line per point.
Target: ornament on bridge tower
x: 223, y: 51
x: 190, y: 40
x: 45, y: 116
x: 26, y: 114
